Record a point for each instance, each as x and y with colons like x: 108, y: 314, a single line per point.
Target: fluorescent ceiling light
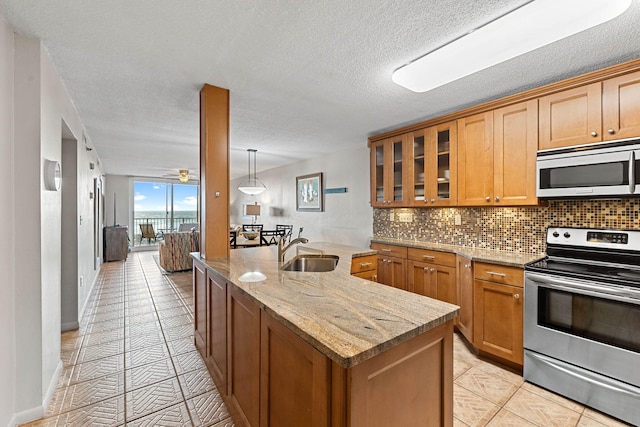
x: 536, y: 24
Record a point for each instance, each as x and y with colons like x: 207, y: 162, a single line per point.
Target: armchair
x: 174, y: 250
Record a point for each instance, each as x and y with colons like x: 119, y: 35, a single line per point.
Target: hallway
x: 133, y: 358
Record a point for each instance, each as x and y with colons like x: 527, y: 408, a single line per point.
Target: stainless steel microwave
x: 603, y: 170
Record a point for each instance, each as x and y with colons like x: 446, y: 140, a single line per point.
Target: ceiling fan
x: 182, y: 175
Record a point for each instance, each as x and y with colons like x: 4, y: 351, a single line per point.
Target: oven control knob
x: 556, y: 234
x: 567, y: 235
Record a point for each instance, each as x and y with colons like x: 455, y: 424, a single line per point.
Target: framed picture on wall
x: 309, y: 193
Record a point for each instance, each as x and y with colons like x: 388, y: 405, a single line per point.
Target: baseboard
x: 86, y: 300
x: 27, y: 416
x: 70, y: 326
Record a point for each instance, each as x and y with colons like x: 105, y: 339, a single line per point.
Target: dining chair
x: 288, y: 228
x: 252, y: 227
x: 271, y: 237
x: 233, y: 239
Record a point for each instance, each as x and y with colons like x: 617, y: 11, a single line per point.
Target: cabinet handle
x: 375, y: 277
x: 365, y: 264
x: 432, y: 270
x: 516, y: 296
x: 611, y: 131
x: 433, y: 200
x: 594, y: 133
x: 426, y: 268
x: 428, y: 256
x: 385, y: 250
x: 497, y: 199
x: 493, y: 273
x: 467, y: 265
x: 488, y: 199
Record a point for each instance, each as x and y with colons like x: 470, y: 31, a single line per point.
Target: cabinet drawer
x: 433, y: 257
x: 364, y: 263
x: 513, y: 276
x: 369, y: 275
x: 390, y: 250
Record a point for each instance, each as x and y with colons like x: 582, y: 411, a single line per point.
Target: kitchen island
x: 321, y: 349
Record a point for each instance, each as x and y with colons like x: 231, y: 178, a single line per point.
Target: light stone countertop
x: 511, y: 259
x: 346, y: 318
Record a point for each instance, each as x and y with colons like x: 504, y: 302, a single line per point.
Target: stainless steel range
x: 582, y: 319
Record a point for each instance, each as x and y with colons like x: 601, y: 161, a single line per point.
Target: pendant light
x: 252, y: 185
x: 184, y: 175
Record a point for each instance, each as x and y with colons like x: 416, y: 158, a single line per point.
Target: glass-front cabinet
x: 388, y: 165
x: 433, y: 165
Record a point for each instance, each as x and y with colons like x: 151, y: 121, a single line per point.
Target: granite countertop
x: 346, y: 318
x: 511, y: 259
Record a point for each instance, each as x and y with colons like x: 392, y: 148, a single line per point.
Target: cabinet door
x: 443, y: 177
x: 377, y: 171
x: 384, y: 271
x: 621, y: 107
x: 397, y: 175
x: 418, y: 167
x: 294, y: 379
x: 422, y: 279
x: 475, y: 160
x: 498, y: 311
x: 217, y: 334
x: 445, y: 278
x: 571, y: 117
x: 515, y: 145
x: 200, y: 308
x: 464, y: 278
x: 398, y: 268
x: 243, y: 353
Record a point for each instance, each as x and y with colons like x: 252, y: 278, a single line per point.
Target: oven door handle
x: 601, y: 382
x: 583, y: 288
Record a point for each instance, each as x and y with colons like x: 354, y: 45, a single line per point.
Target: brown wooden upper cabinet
x: 389, y: 159
x: 497, y: 156
x: 433, y: 167
x: 597, y: 112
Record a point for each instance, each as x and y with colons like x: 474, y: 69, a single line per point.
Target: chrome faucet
x: 282, y: 249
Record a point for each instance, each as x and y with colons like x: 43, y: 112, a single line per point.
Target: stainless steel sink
x: 312, y: 263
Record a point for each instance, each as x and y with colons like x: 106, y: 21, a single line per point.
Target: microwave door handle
x: 632, y: 165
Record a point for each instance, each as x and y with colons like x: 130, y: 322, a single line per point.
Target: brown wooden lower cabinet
x: 295, y: 379
x: 200, y: 308
x: 270, y: 377
x: 433, y: 281
x: 464, y: 285
x: 243, y: 355
x: 391, y: 272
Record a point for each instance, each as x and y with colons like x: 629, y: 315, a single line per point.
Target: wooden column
x: 214, y: 172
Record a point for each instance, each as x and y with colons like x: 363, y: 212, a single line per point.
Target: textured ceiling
x: 306, y: 78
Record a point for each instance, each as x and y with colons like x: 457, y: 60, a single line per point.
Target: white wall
x: 347, y: 217
x: 35, y: 102
x: 119, y: 189
x: 7, y: 219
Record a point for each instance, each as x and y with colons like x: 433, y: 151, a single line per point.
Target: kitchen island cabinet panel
x: 294, y: 379
x: 200, y: 309
x: 243, y: 353
x: 217, y: 336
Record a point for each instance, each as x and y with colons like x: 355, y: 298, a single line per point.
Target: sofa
x: 174, y: 250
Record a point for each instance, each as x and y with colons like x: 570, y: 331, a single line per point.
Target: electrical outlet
x: 391, y: 216
x: 405, y: 217
x: 81, y: 281
x: 457, y: 219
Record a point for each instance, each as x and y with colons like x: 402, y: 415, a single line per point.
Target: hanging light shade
x: 252, y: 185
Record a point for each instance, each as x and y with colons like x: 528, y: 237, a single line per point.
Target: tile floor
x: 132, y: 362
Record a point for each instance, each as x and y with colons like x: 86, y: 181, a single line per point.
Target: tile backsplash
x: 512, y: 229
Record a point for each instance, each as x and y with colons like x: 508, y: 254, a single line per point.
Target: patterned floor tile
x: 500, y: 372
x: 505, y: 418
x: 69, y: 358
x: 486, y: 385
x: 458, y: 423
x: 137, y: 342
x: 103, y: 317
x: 196, y: 382
x: 174, y: 311
x: 472, y: 409
x: 89, y: 392
x: 104, y: 337
x: 182, y: 345
x: 176, y: 321
x: 208, y: 409
x: 97, y: 368
x: 141, y: 318
x: 591, y: 416
x: 184, y: 331
x: 99, y: 351
x: 460, y: 366
x: 151, y: 373
x: 541, y: 411
x: 137, y: 329
x: 176, y: 415
x: 187, y: 362
x: 96, y: 327
x: 143, y: 356
x: 146, y: 400
x: 224, y: 423
x: 567, y: 403
x: 106, y: 413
